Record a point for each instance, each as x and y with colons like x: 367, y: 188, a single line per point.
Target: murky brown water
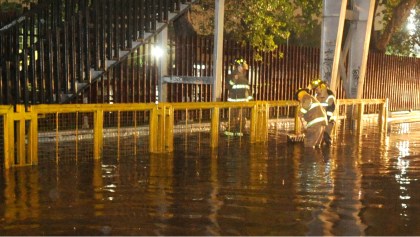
x: 363, y: 185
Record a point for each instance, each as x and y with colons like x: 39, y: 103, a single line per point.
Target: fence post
x: 98, y: 133
x: 360, y: 111
x: 259, y: 117
x: 153, y: 124
x: 383, y: 116
x: 168, y: 129
x: 9, y: 144
x: 298, y: 123
x: 337, y: 117
x: 214, y: 140
x: 253, y: 124
x: 161, y: 129
x: 33, y: 137
x: 20, y: 135
x: 263, y: 121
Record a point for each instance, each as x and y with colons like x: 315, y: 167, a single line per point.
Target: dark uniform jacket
x: 239, y: 89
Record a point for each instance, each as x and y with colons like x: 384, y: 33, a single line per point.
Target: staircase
x: 57, y: 49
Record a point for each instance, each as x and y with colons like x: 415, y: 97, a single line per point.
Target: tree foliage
x: 266, y: 23
x: 398, y: 35
x: 263, y: 24
x: 10, y: 7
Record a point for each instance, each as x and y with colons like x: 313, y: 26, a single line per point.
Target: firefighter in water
x: 314, y: 114
x: 238, y: 91
x: 327, y: 98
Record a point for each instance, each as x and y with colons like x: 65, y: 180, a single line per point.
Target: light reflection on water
x: 364, y: 185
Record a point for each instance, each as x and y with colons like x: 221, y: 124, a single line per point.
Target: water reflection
x: 403, y: 177
x: 348, y: 178
x: 314, y: 189
x: 366, y: 184
x: 20, y: 200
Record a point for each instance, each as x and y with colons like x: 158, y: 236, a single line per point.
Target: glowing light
x: 404, y: 197
x: 411, y: 26
x: 157, y: 52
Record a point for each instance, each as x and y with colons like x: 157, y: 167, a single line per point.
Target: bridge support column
x: 359, y: 49
x: 334, y: 13
x: 356, y: 47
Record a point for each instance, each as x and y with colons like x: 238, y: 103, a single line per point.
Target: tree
x: 395, y: 37
x: 265, y: 24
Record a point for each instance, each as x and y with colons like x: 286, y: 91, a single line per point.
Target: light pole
x: 218, y: 50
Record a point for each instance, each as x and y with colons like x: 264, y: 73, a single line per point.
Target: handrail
x: 21, y: 129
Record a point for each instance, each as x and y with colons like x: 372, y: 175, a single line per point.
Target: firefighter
x: 314, y: 114
x: 238, y: 91
x: 327, y: 99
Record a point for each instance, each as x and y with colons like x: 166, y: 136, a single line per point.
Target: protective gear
x: 328, y: 102
x: 238, y: 134
x: 238, y: 91
x: 315, y: 116
x: 238, y: 86
x: 327, y: 99
x: 322, y: 85
x: 241, y: 62
x: 296, y: 96
x: 314, y: 84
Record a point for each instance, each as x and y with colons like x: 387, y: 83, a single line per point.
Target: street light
x: 157, y: 52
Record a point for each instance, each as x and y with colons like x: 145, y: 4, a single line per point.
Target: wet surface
x: 364, y: 184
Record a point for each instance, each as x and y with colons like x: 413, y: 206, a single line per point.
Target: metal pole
x: 162, y: 43
x: 218, y: 50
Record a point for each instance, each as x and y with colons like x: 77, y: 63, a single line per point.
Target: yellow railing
x: 358, y: 110
x: 23, y: 129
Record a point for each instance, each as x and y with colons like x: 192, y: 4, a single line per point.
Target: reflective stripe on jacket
x: 328, y: 102
x: 239, y: 90
x: 312, y: 111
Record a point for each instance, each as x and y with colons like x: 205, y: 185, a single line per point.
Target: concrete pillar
x: 359, y: 48
x: 334, y: 12
x: 360, y: 17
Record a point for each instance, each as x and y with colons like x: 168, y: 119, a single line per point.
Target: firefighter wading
x: 314, y: 114
x: 327, y: 99
x: 238, y: 91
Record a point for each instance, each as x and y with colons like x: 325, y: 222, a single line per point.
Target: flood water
x: 364, y: 184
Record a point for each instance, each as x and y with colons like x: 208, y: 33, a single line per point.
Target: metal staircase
x: 57, y: 49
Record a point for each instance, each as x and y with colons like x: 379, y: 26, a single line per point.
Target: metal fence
x: 278, y: 77
x: 80, y: 132
x: 393, y: 77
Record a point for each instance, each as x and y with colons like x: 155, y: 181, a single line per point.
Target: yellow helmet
x: 241, y: 62
x: 322, y: 85
x: 315, y: 83
x: 296, y: 97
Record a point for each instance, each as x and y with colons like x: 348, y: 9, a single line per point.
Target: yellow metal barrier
x: 358, y: 111
x: 25, y: 129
